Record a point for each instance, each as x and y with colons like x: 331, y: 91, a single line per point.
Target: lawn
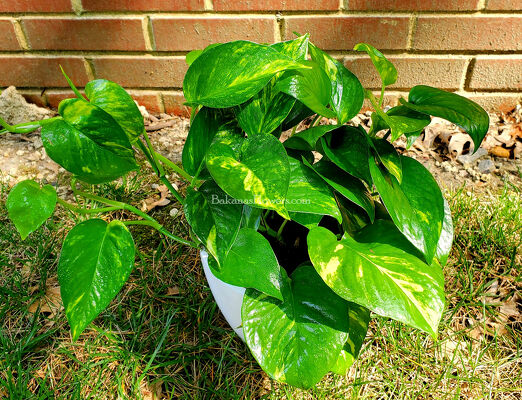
x: 164, y: 337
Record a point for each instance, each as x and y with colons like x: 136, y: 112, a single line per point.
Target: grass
x: 163, y: 336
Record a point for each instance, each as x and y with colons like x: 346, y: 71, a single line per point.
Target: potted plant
x: 320, y: 228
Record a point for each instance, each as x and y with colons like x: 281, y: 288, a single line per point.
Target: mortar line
x: 411, y: 31
x: 279, y: 31
x: 468, y: 72
x: 76, y: 6
x: 208, y: 5
x: 21, y: 36
x: 148, y: 33
x: 89, y: 68
x: 161, y: 101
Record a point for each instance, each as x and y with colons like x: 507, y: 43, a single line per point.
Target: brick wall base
x: 472, y: 47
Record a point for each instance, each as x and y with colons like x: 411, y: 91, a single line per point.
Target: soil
x: 442, y: 148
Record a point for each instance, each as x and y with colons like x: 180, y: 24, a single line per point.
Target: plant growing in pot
x: 321, y: 228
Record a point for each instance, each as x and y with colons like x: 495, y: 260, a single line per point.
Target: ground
x: 164, y: 337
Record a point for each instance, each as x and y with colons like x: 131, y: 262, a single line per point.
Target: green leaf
x: 347, y: 92
x: 251, y: 217
x: 351, y: 188
x: 116, y: 102
x: 96, y: 260
x: 385, y: 68
x: 308, y: 193
x: 230, y: 74
x: 264, y: 112
x: 359, y: 318
x: 307, y: 139
x: 416, y: 205
x: 354, y: 217
x: 97, y: 125
x: 257, y: 173
x: 214, y: 217
x: 297, y: 114
x: 310, y: 86
x: 388, y: 157
x: 192, y: 55
x: 307, y: 220
x: 204, y: 127
x: 251, y: 263
x: 380, y: 276
x: 348, y: 148
x: 80, y: 155
x: 401, y: 121
x: 298, y: 340
x: 452, y: 107
x: 296, y: 49
x: 29, y: 206
x: 446, y: 236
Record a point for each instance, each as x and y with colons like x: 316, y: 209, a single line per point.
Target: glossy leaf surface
x: 351, y: 188
x: 116, y: 102
x: 307, y: 139
x: 297, y: 340
x: 348, y: 148
x: 305, y: 219
x: 416, y: 205
x: 204, y: 127
x: 452, y: 107
x: 29, y: 206
x: 388, y: 157
x: 257, y: 173
x: 296, y: 49
x: 446, y: 236
x: 310, y: 86
x: 251, y: 263
x: 96, y: 260
x: 214, y: 217
x: 80, y: 155
x: 385, y: 68
x: 230, y: 74
x: 380, y: 276
x: 308, y: 193
x: 347, y: 94
x: 401, y: 121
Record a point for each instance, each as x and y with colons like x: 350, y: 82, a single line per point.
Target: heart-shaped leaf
x: 401, y: 121
x: 452, y: 107
x: 388, y: 157
x: 310, y: 86
x: 116, y: 102
x: 29, y: 206
x: 257, y: 269
x: 230, y: 74
x: 299, y: 339
x: 204, y: 127
x: 308, y: 193
x: 296, y: 49
x: 416, y: 205
x: 257, y: 173
x: 348, y: 148
x: 96, y: 260
x: 307, y: 220
x: 214, y: 217
x: 351, y: 188
x: 347, y: 92
x: 385, y: 68
x: 380, y: 276
x: 80, y: 155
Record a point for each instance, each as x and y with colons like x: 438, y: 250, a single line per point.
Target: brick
x: 390, y: 100
x: 443, y: 73
x: 149, y: 99
x: 143, y: 5
x: 274, y: 5
x: 34, y: 96
x: 497, y: 74
x: 140, y: 72
x: 9, y: 41
x: 27, y: 6
x: 184, y: 34
x: 468, y: 33
x: 508, y: 5
x: 413, y: 5
x: 39, y: 71
x: 85, y: 34
x: 342, y: 33
x: 495, y: 102
x: 173, y: 102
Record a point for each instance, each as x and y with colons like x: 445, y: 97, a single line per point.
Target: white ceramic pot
x: 228, y: 297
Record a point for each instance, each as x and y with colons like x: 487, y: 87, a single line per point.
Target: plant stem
x: 178, y: 170
x: 26, y: 127
x: 280, y: 230
x: 79, y: 210
x: 381, y: 99
x: 124, y: 206
x: 315, y: 120
x: 268, y: 230
x: 153, y: 153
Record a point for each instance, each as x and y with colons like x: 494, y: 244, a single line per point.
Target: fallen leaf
x: 172, y: 291
x: 153, y: 202
x: 500, y: 152
x: 50, y: 303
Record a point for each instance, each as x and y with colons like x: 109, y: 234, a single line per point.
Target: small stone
x: 174, y: 212
x: 486, y: 166
x: 469, y: 159
x: 20, y: 153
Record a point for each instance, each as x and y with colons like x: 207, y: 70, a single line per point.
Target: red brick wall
x: 473, y: 47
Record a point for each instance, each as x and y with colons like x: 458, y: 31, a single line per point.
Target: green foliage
x: 371, y: 226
